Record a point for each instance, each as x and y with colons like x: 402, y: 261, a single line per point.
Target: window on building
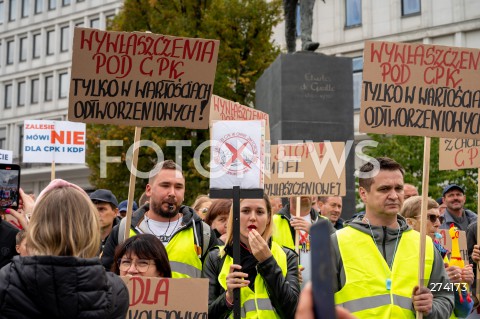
x: 8, y: 96
x: 50, y: 42
x: 25, y: 8
x: 2, y: 11
x: 36, y: 46
x: 34, y: 91
x: 21, y: 93
x: 66, y: 2
x: 52, y: 4
x: 12, y: 10
x: 64, y: 38
x: 38, y: 6
x: 357, y: 64
x: 3, y: 138
x: 49, y: 88
x: 353, y: 10
x: 410, y: 7
x: 10, y: 51
x: 23, y: 49
x: 20, y: 142
x: 63, y: 85
x: 298, y: 18
x: 95, y: 23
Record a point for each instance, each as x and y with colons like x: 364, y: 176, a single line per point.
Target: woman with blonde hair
x: 62, y: 278
x: 267, y: 274
x: 411, y: 210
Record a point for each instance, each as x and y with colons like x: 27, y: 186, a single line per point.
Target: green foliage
x: 244, y: 28
x: 408, y: 151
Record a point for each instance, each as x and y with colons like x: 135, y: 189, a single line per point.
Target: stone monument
x: 309, y: 96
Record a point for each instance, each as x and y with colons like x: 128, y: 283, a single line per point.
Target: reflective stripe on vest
x: 255, y: 304
x: 282, y: 234
x: 365, y: 291
x: 183, y: 258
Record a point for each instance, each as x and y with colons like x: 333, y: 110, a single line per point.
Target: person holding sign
x: 142, y: 255
x: 379, y: 254
x: 267, y: 276
x: 61, y: 278
x: 461, y: 278
x: 286, y: 223
x: 186, y: 237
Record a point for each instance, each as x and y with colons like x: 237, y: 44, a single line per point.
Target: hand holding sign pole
x: 236, y: 169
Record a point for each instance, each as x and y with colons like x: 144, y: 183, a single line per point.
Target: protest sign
x: 167, y: 298
x: 237, y: 154
x: 446, y: 241
x: 141, y: 79
x: 225, y: 110
x: 304, y: 169
x: 420, y: 89
x: 53, y: 141
x: 6, y: 157
x: 458, y: 153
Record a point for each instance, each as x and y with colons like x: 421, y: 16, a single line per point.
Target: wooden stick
x: 131, y: 185
x: 52, y: 173
x: 477, y: 292
x: 423, y: 218
x: 297, y: 232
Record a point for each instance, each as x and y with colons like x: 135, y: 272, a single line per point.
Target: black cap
x: 439, y: 200
x: 452, y: 187
x: 104, y: 195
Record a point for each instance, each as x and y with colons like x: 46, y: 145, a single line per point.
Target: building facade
x: 341, y: 27
x: 35, y: 61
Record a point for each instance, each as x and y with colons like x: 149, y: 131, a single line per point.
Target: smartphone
x: 322, y: 274
x: 9, y: 186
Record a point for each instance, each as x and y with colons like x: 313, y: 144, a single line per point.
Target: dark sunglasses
x: 433, y: 218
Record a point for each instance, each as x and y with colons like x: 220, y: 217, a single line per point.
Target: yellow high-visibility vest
x: 365, y: 292
x: 256, y: 304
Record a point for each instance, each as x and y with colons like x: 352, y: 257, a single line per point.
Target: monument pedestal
x: 309, y: 96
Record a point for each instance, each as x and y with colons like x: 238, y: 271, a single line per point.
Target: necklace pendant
x: 388, y: 283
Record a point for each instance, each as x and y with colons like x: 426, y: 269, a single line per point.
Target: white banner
x: 237, y: 154
x: 6, y: 157
x: 54, y: 141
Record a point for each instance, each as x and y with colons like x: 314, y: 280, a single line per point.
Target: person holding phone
x: 61, y: 278
x: 267, y: 274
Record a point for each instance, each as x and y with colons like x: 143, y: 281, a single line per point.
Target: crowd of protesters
x: 72, y: 250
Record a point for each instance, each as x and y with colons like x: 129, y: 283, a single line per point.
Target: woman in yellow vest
x: 267, y: 275
x: 411, y: 210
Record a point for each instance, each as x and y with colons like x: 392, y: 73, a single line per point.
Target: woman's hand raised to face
x: 258, y: 246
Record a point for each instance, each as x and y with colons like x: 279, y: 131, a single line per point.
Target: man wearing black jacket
x: 7, y: 242
x: 185, y: 236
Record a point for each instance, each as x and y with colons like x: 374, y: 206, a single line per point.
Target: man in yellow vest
x: 286, y: 223
x: 185, y: 236
x: 376, y: 255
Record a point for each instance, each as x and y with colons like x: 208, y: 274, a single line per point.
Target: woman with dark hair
x: 267, y: 274
x: 142, y: 255
x: 217, y: 217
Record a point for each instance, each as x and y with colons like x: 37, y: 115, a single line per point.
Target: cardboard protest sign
x: 6, y: 157
x: 237, y: 154
x: 420, y: 89
x: 458, y: 153
x: 316, y: 169
x: 162, y: 298
x: 225, y: 110
x: 446, y: 241
x: 54, y: 141
x: 141, y: 79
